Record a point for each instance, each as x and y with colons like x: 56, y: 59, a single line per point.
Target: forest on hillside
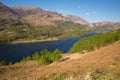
x: 94, y: 42
x: 17, y: 30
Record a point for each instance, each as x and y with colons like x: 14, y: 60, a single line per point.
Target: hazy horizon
x: 91, y: 11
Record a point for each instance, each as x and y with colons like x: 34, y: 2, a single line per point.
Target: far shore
x: 34, y: 40
x: 31, y: 41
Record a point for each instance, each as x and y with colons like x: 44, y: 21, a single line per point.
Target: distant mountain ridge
x: 39, y: 16
x: 28, y: 23
x: 36, y: 17
x: 75, y: 19
x: 43, y: 17
x: 107, y: 26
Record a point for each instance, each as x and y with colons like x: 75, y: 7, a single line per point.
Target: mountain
x: 25, y: 22
x: 29, y: 23
x: 6, y: 12
x: 8, y: 17
x: 75, y: 19
x: 107, y: 26
x: 37, y: 16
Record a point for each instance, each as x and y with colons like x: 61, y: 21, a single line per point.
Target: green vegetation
x: 96, y: 41
x: 56, y: 55
x: 10, y: 63
x: 70, y: 29
x: 45, y: 56
x: 2, y: 63
x: 11, y: 30
x: 76, y: 33
x: 35, y: 56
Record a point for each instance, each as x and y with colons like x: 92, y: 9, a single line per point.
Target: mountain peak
x: 75, y: 19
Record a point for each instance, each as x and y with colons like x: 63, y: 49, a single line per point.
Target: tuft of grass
x: 2, y: 63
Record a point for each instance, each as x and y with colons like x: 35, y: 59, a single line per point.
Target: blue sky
x: 90, y: 10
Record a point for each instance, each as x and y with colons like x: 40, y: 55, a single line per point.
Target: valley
x: 50, y: 41
x: 27, y: 24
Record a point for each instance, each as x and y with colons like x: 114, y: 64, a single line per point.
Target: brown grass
x: 107, y: 58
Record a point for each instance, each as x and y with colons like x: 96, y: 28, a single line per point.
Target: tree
x: 43, y: 59
x: 43, y: 52
x: 49, y: 57
x: 35, y: 56
x: 56, y: 55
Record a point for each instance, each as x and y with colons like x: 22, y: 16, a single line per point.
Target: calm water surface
x: 15, y: 52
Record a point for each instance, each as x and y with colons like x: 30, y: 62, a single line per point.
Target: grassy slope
x: 96, y: 41
x: 17, y: 31
x: 101, y: 64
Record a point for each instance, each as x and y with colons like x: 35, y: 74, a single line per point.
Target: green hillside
x: 96, y: 41
x: 11, y: 30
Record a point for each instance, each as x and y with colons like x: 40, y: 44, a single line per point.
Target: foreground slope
x: 101, y: 64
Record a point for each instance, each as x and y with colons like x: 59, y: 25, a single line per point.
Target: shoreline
x: 44, y: 40
x: 34, y: 40
x: 31, y: 41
